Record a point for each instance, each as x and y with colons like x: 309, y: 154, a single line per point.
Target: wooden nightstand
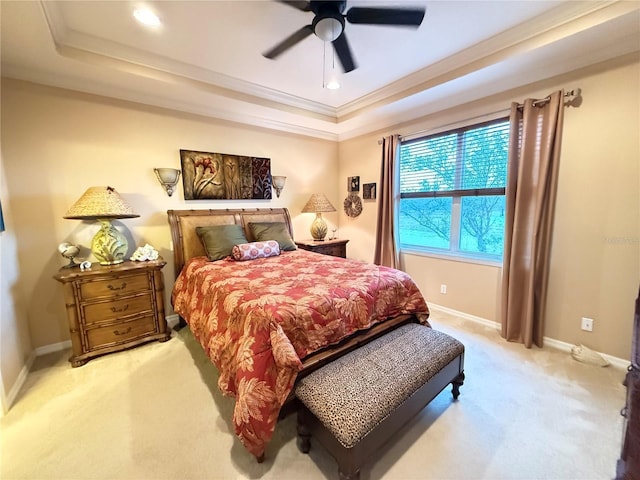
x: 110, y: 308
x: 337, y: 247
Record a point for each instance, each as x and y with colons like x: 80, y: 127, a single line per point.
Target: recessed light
x: 147, y: 17
x: 333, y: 85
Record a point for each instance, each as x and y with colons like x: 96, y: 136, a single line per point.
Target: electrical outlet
x: 443, y: 288
x: 587, y: 324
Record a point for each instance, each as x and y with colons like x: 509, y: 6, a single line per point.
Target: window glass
x: 482, y: 221
x: 452, y: 188
x: 426, y: 222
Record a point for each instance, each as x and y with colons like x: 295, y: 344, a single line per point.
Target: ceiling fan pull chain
x: 324, y: 64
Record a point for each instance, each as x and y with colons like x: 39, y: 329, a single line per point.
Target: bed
x: 269, y: 321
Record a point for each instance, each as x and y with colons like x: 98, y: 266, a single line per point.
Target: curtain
x: 534, y: 154
x: 386, y: 252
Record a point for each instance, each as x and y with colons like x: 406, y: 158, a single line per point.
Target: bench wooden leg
x: 456, y: 384
x: 304, y: 434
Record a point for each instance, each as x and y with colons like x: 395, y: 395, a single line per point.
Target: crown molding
x: 268, y: 108
x: 563, y: 21
x: 118, y: 93
x: 79, y: 46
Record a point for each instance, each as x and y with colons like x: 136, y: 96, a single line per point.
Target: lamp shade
x: 168, y: 175
x: 168, y: 178
x: 318, y: 203
x: 278, y: 182
x: 100, y: 202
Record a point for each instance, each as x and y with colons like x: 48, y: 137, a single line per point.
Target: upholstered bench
x: 355, y: 404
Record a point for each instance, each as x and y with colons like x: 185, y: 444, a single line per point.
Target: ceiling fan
x: 328, y: 24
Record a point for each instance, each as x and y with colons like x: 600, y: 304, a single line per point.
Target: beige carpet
x: 154, y: 412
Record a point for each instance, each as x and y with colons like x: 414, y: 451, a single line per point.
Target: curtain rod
x: 575, y: 101
x: 575, y: 94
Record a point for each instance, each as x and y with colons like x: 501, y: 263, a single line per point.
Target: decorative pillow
x: 219, y: 240
x: 273, y: 231
x: 251, y: 251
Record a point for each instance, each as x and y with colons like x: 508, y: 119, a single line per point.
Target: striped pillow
x: 253, y: 250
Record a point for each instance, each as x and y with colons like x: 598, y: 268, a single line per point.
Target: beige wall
x: 57, y: 143
x: 15, y: 341
x: 595, y: 264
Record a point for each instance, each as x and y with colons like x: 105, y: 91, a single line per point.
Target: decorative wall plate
x: 352, y: 205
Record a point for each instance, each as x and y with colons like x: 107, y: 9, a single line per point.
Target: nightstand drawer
x: 336, y: 247
x: 108, y: 336
x: 122, y: 307
x: 333, y: 250
x: 121, y: 285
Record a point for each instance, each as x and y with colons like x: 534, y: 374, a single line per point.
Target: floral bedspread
x: 257, y: 319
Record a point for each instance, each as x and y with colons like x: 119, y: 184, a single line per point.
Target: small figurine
x: 145, y: 253
x: 69, y: 251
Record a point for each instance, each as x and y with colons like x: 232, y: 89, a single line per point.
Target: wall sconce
x: 278, y: 182
x: 168, y: 178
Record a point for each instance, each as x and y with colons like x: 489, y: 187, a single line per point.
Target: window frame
x: 456, y: 194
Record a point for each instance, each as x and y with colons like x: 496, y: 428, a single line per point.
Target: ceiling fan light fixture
x: 328, y: 29
x: 146, y: 17
x: 333, y: 85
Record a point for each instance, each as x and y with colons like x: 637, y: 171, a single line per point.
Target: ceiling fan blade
x: 289, y: 42
x: 341, y: 47
x: 410, y: 17
x: 298, y: 4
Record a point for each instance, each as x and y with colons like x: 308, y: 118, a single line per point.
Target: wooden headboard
x: 183, y: 223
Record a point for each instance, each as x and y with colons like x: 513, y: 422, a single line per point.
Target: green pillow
x: 218, y: 240
x: 277, y: 231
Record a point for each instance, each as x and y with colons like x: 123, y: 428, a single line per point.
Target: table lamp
x: 317, y: 204
x: 104, y: 204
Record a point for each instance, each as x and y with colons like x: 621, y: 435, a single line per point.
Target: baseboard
x: 466, y: 316
x: 17, y: 386
x: 54, y: 347
x: 548, y: 342
x: 566, y: 347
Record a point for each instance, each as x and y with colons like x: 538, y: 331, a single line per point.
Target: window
x: 452, y: 191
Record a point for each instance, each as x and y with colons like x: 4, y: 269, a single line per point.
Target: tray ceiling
x: 206, y: 57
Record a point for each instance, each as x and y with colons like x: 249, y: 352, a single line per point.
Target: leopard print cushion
x: 356, y: 392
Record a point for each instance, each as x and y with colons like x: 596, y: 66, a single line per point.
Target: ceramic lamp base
x: 319, y: 228
x: 109, y: 246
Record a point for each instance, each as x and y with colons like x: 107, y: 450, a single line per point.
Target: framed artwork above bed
x: 211, y: 176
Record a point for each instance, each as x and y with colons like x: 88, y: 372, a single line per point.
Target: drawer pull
x: 116, y: 332
x: 111, y: 287
x: 123, y: 309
